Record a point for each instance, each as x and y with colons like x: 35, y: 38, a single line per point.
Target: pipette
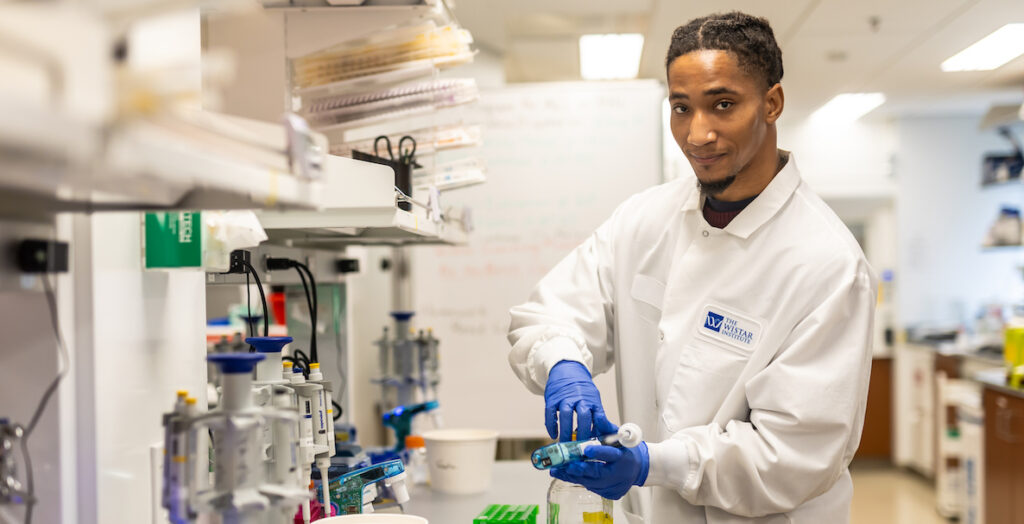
x: 561, y: 453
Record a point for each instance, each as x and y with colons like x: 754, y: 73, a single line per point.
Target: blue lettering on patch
x: 714, y: 322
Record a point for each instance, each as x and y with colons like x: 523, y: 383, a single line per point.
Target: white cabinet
x: 915, y: 408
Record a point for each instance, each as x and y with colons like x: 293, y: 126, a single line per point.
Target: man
x: 737, y: 311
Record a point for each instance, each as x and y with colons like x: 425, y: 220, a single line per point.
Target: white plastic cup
x: 374, y: 518
x: 461, y: 461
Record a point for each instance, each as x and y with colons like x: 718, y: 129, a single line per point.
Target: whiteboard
x: 560, y: 158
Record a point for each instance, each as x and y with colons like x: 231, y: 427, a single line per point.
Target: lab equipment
x: 505, y: 513
x: 11, y: 489
x: 608, y: 471
x: 323, y: 437
x: 402, y: 167
x: 313, y: 439
x: 406, y: 148
x: 177, y: 481
x: 400, y: 420
x: 430, y: 363
x: 573, y: 504
x: 408, y: 366
x: 354, y: 492
x: 280, y: 438
x: 561, y: 453
x: 570, y: 388
x: 401, y: 48
x: 461, y: 460
x: 1006, y: 229
x: 375, y: 518
x: 242, y: 490
x: 417, y: 463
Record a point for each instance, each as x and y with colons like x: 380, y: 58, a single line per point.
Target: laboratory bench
x: 515, y: 482
x: 1004, y: 449
x: 940, y: 421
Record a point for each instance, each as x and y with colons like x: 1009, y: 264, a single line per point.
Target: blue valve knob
x: 269, y: 344
x: 235, y: 362
x: 402, y: 316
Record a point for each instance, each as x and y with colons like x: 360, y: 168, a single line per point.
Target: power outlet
x: 42, y: 256
x: 238, y: 261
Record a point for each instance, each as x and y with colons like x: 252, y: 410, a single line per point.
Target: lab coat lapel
x: 768, y: 203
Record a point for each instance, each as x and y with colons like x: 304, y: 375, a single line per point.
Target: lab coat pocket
x: 648, y: 294
x: 704, y: 375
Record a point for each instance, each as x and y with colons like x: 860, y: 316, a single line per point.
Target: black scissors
x: 406, y: 153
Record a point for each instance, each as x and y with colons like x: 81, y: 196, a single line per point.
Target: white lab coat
x: 743, y: 352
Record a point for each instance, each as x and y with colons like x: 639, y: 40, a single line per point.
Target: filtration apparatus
x: 408, y: 366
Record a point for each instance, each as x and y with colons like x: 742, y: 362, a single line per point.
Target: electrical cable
x: 314, y: 357
x: 303, y: 360
x: 309, y: 304
x: 311, y: 298
x: 61, y: 347
x: 248, y: 309
x: 263, y: 297
x: 62, y: 370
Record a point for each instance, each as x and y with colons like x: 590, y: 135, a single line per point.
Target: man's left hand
x: 610, y: 472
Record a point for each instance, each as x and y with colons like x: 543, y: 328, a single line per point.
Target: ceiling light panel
x: 848, y: 107
x: 610, y: 56
x: 991, y: 52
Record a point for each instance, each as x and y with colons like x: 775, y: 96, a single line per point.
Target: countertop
x: 515, y: 482
x: 996, y: 379
x: 949, y: 349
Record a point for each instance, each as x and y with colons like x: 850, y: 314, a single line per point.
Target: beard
x: 715, y: 188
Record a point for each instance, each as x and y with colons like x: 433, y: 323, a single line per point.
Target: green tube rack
x: 508, y: 514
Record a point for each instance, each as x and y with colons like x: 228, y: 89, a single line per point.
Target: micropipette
x: 561, y: 453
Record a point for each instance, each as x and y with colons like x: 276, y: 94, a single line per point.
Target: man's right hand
x: 570, y: 389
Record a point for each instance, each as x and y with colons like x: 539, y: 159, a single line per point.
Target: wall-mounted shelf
x: 53, y: 162
x: 359, y: 208
x: 1011, y: 182
x: 335, y: 229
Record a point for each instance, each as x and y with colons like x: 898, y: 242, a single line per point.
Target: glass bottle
x: 573, y: 504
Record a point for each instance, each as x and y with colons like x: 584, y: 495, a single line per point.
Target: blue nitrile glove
x: 570, y: 389
x: 618, y: 470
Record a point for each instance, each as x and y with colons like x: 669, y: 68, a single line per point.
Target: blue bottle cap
x: 235, y: 362
x: 402, y: 316
x: 268, y: 344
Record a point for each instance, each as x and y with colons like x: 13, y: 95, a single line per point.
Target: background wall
x: 28, y: 364
x: 560, y: 158
x: 140, y: 337
x: 944, y: 214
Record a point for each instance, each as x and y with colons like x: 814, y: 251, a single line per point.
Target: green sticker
x: 173, y: 240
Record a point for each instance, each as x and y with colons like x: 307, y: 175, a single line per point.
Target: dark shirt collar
x: 728, y: 207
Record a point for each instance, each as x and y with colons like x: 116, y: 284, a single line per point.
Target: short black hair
x: 748, y: 37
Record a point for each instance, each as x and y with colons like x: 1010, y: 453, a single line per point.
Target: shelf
x: 452, y: 180
x: 995, y: 249
x: 1011, y: 182
x: 338, y: 228
x: 53, y: 162
x: 359, y: 208
x: 414, y: 71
